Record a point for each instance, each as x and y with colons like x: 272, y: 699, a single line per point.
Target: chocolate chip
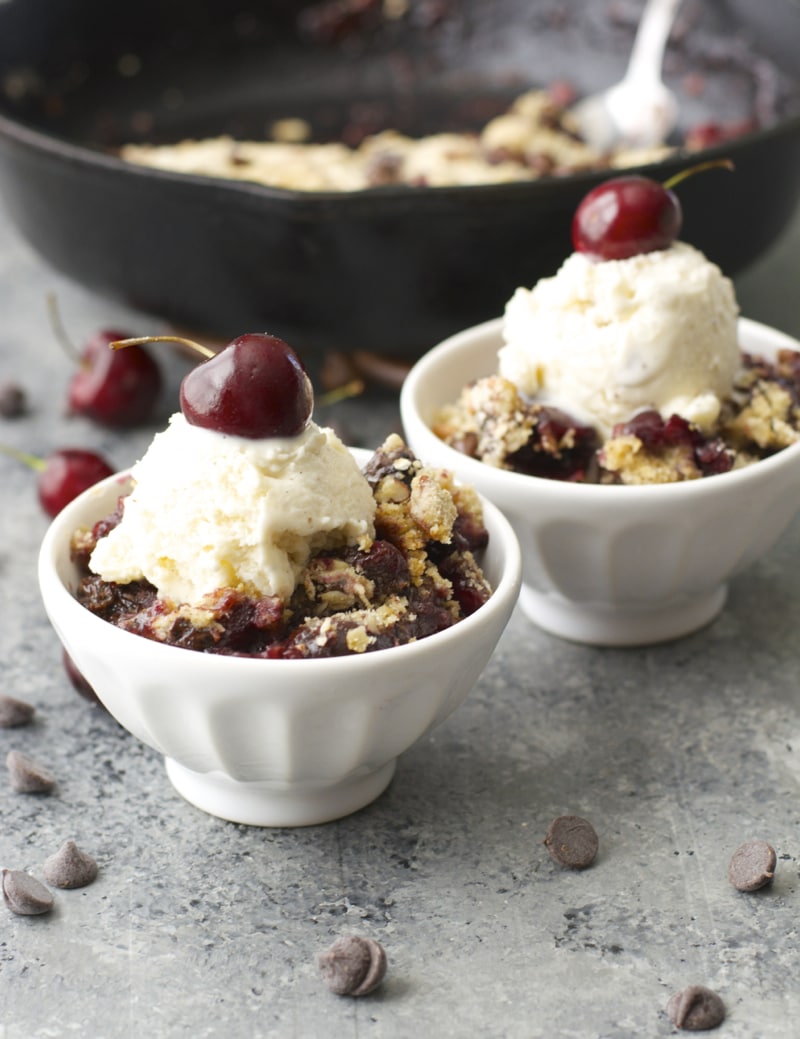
x: 353, y: 966
x: 69, y: 867
x: 572, y: 841
x: 24, y: 894
x: 28, y: 777
x: 752, y: 865
x: 696, y: 1009
x: 14, y: 712
x: 13, y: 400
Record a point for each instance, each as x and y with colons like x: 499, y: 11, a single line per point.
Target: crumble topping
x: 494, y: 422
x: 628, y: 458
x: 490, y: 420
x: 358, y: 639
x: 536, y: 137
x: 769, y: 419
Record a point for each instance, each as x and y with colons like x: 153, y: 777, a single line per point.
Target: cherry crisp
x: 419, y: 576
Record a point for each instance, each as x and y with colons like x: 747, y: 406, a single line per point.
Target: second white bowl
x: 613, y: 565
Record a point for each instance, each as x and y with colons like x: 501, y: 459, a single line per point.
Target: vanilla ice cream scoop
x: 210, y: 511
x: 605, y: 339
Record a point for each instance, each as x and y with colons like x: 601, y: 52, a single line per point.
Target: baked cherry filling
x: 559, y: 448
x: 419, y: 576
x: 710, y: 455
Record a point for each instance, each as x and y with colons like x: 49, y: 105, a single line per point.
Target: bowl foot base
x: 277, y: 804
x: 625, y: 626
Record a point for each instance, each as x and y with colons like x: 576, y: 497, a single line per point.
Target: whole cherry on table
x: 117, y: 390
x: 63, y: 474
x: 113, y: 388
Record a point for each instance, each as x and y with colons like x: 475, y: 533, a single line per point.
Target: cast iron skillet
x: 391, y: 269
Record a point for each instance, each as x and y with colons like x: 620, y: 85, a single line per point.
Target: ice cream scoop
x: 603, y: 340
x: 210, y: 511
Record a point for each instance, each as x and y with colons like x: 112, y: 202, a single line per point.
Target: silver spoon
x: 639, y: 111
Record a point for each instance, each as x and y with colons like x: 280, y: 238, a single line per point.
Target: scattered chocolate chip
x: 69, y: 867
x: 24, y: 894
x: 14, y: 712
x: 752, y: 865
x: 28, y: 777
x: 13, y: 400
x: 353, y: 966
x: 696, y: 1009
x: 572, y: 841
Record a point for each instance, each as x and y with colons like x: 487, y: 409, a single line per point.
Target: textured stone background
x: 197, y: 927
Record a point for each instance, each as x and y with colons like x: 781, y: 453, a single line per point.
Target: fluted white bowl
x: 274, y: 742
x: 613, y: 565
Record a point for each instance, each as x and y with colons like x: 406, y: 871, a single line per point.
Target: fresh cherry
x: 116, y: 388
x: 78, y: 680
x: 63, y: 475
x: 256, y: 387
x: 626, y: 216
x: 67, y: 473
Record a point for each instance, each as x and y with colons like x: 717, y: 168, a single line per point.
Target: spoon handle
x: 647, y: 54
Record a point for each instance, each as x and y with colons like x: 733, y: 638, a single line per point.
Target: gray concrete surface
x: 196, y: 927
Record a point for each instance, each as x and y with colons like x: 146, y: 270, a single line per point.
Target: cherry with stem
x: 63, y: 474
x: 114, y: 390
x: 630, y: 215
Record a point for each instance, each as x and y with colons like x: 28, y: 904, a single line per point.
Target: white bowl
x: 274, y: 742
x: 613, y: 565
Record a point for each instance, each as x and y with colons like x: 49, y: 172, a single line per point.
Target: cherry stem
x: 59, y: 331
x: 32, y: 461
x: 204, y: 351
x: 349, y: 389
x: 701, y: 167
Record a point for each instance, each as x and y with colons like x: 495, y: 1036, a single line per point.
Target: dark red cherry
x: 78, y: 680
x: 626, y: 216
x: 116, y: 388
x: 65, y: 474
x: 256, y: 387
